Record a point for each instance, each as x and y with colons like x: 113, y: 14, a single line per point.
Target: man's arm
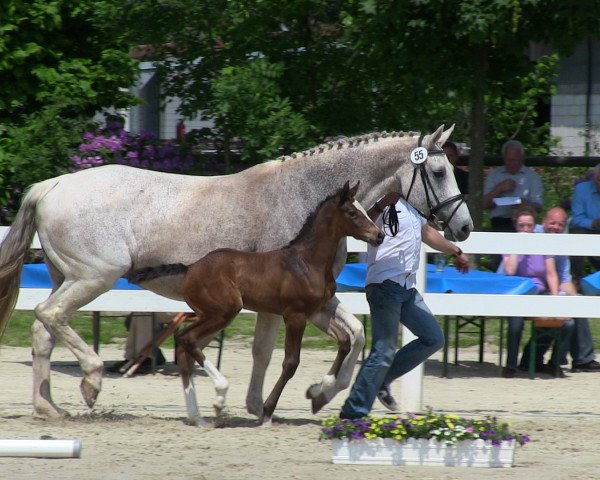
x: 578, y: 210
x: 432, y: 237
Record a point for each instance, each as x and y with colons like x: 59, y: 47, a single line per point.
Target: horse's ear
x: 434, y: 138
x: 446, y: 135
x: 344, y: 192
x: 354, y: 189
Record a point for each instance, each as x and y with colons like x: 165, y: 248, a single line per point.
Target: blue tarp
x: 353, y: 278
x: 35, y: 275
x: 590, y: 285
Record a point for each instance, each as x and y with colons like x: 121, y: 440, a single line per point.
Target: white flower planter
x: 387, y: 451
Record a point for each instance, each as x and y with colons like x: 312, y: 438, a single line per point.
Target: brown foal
x: 295, y: 282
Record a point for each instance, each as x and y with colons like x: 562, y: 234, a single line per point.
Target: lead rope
x: 390, y: 219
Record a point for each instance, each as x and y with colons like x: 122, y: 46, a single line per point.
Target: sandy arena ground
x: 137, y: 429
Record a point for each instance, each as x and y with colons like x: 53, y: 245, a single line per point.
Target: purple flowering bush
x: 118, y: 146
x: 448, y: 428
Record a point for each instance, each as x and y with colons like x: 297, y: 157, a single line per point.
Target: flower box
x: 428, y: 439
x: 427, y: 452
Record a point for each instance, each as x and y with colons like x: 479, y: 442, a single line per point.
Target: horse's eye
x: 439, y: 173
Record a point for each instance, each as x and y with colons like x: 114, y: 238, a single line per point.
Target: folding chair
x: 552, y: 327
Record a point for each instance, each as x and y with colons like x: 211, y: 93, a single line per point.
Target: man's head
x: 555, y: 220
x: 451, y: 152
x: 513, y: 155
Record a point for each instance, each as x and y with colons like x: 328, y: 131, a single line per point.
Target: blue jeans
x: 392, y: 304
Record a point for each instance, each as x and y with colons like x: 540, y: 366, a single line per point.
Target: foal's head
x: 353, y: 218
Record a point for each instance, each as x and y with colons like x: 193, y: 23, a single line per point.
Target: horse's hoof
x: 318, y: 401
x: 255, y: 409
x: 196, y: 422
x: 49, y: 412
x: 218, y: 407
x: 89, y: 392
x: 266, y: 422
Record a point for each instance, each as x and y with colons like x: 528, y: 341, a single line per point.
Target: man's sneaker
x: 386, y: 399
x: 591, y: 366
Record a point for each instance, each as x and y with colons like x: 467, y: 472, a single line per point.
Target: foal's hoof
x: 318, y: 400
x: 89, y: 392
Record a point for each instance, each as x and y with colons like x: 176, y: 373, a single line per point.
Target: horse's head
x: 427, y: 181
x: 353, y: 218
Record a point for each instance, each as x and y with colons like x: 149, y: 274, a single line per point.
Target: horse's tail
x: 150, y: 273
x: 15, y: 247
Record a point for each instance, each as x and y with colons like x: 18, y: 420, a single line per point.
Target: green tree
x: 362, y: 65
x: 467, y: 53
x: 60, y: 63
x: 63, y: 53
x: 200, y: 47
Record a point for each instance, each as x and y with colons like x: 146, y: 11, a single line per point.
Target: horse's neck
x: 374, y: 163
x: 319, y: 246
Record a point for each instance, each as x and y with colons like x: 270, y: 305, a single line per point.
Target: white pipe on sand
x: 41, y: 448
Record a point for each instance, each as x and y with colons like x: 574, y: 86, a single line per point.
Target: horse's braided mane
x: 346, y: 142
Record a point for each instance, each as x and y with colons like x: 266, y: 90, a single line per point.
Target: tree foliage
x: 60, y: 63
x: 62, y: 53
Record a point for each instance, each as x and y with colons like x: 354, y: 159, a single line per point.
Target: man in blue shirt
x: 511, y: 182
x: 585, y: 211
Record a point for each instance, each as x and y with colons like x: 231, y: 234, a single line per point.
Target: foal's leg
x: 190, y: 342
x: 186, y: 370
x: 349, y: 333
x: 294, y: 329
x: 265, y: 336
x: 220, y: 382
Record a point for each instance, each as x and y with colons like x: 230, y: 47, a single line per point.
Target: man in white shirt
x: 394, y: 300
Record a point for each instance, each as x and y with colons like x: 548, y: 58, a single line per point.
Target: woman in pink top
x: 540, y: 268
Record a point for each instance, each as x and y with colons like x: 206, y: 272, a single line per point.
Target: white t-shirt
x: 397, y: 258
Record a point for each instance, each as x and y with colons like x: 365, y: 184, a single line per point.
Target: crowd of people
x: 513, y: 196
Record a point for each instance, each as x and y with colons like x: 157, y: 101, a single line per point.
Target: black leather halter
x: 430, y: 192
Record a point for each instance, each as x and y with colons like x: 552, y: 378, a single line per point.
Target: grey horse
x: 97, y: 225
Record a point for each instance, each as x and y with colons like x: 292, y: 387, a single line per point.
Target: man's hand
x: 505, y: 186
x: 461, y: 263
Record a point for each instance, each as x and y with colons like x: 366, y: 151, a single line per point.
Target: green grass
x: 112, y: 330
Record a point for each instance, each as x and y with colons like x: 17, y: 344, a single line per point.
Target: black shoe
x: 116, y: 367
x: 385, y: 397
x: 591, y: 366
x: 508, y: 372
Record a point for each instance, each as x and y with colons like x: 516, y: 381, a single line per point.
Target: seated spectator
x: 140, y: 327
x: 583, y: 355
x: 461, y: 176
x: 585, y: 218
x: 542, y: 270
x: 515, y: 180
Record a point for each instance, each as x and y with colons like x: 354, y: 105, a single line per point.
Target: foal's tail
x: 150, y: 273
x: 14, y: 249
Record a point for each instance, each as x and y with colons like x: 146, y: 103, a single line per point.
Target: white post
x: 411, y: 383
